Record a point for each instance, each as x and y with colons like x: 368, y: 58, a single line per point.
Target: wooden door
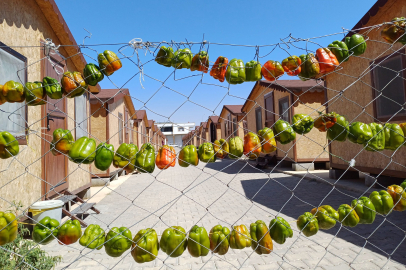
x: 55, y: 168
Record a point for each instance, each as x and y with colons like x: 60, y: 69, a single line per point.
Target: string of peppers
x: 174, y: 240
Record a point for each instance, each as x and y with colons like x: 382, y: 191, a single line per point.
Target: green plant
x: 25, y: 254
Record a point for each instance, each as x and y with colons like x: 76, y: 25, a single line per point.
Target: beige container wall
x: 311, y: 145
x: 114, y: 109
x: 98, y: 128
x: 22, y: 23
x: 362, y: 94
x: 79, y: 175
x: 283, y: 149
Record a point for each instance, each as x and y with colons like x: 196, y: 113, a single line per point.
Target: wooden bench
x: 68, y: 198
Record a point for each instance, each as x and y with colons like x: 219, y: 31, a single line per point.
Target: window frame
x: 120, y: 128
x: 269, y: 122
x: 256, y: 120
x: 235, y: 125
x: 280, y: 108
x: 400, y: 53
x: 21, y: 140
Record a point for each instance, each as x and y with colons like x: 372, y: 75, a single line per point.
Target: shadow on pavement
x: 279, y: 189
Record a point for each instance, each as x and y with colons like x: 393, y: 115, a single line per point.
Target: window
x: 12, y: 67
x: 166, y: 129
x: 126, y: 125
x: 389, y: 89
x: 120, y: 128
x: 258, y: 118
x: 235, y: 126
x: 131, y: 131
x: 284, y: 111
x: 81, y: 116
x: 181, y: 129
x: 245, y: 126
x: 229, y: 125
x: 269, y: 113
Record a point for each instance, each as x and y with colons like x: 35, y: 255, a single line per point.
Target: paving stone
x: 233, y: 207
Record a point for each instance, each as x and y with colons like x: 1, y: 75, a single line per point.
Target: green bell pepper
x: 365, y: 210
x: 302, y: 123
x: 206, y: 153
x: 8, y: 227
x: 173, y: 241
x: 261, y: 240
x: 45, y: 231
x: 253, y: 71
x: 198, y: 243
x: 118, y: 240
x: 235, y: 73
x: 219, y: 239
x: 62, y: 141
x: 9, y: 146
x: 125, y: 157
x: 283, y: 131
x: 356, y: 44
x: 69, y: 232
x: 339, y: 131
x: 308, y: 224
x: 236, y: 147
x: 347, y: 215
x: 359, y: 133
x: 13, y: 92
x: 52, y: 88
x: 382, y: 201
x: 92, y: 74
x: 240, y: 237
x: 326, y: 216
x: 394, y: 137
x: 145, y: 159
x: 93, y: 237
x: 83, y: 150
x: 377, y: 143
x: 35, y: 94
x: 280, y: 229
x: 403, y: 184
x: 340, y: 50
x: 104, y: 156
x: 188, y: 156
x: 182, y: 59
x: 310, y: 67
x: 145, y: 246
x: 164, y: 56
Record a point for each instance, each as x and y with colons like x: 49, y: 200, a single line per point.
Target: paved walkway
x: 238, y: 194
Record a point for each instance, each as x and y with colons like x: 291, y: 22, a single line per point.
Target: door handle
x: 49, y: 119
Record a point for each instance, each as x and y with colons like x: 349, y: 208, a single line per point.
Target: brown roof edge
x: 365, y: 19
x: 55, y: 19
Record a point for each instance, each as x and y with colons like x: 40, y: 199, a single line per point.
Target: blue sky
x: 231, y: 22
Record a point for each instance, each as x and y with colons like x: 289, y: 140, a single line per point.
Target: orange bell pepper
x: 218, y: 71
x: 327, y: 60
x: 324, y: 122
x: 291, y: 65
x: 252, y: 145
x: 271, y: 70
x: 166, y: 157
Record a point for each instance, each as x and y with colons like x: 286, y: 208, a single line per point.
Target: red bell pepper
x: 291, y: 65
x: 327, y: 60
x: 218, y: 71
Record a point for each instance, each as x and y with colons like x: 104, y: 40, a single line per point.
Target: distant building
x: 174, y: 132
